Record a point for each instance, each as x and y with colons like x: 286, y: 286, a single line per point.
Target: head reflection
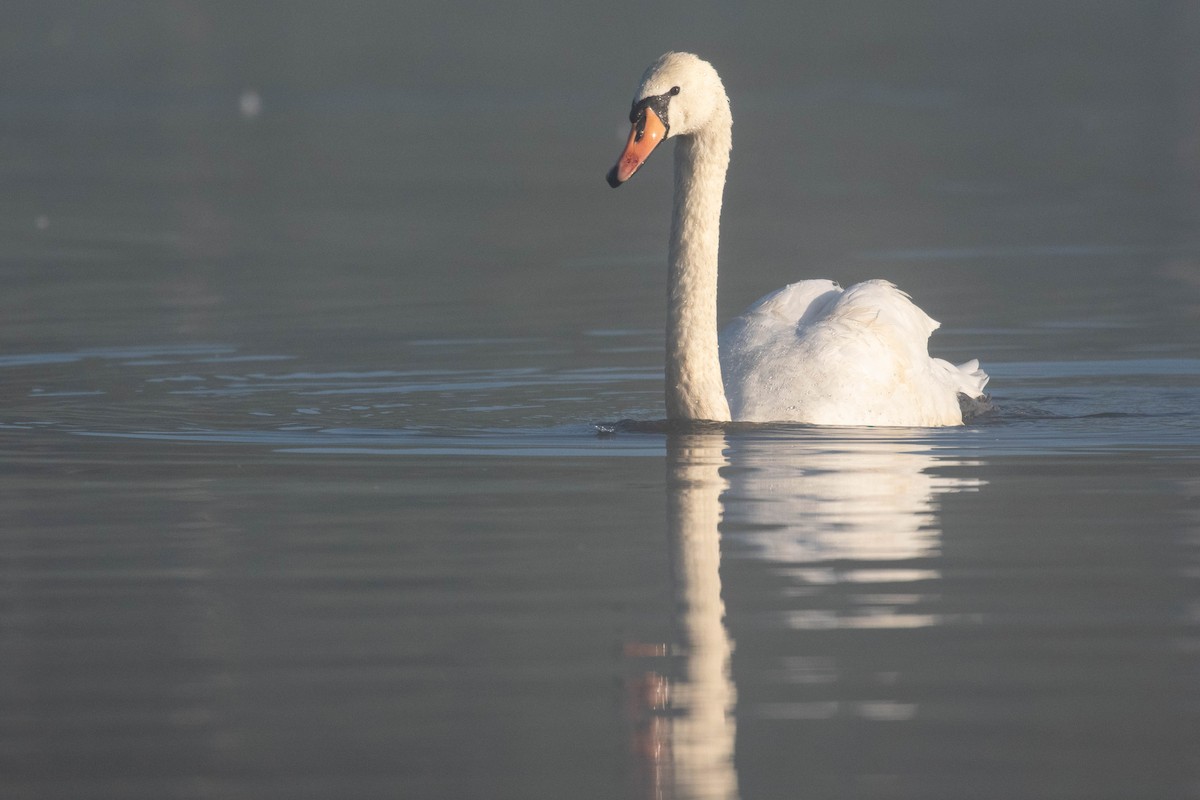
x: 846, y: 525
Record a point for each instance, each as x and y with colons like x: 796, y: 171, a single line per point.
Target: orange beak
x: 648, y: 131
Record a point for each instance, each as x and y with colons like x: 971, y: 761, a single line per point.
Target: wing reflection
x: 848, y: 526
x: 831, y: 510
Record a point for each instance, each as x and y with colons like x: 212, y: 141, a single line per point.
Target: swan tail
x: 909, y: 328
x: 967, y: 377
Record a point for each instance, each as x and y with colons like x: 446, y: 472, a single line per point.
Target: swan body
x: 810, y: 352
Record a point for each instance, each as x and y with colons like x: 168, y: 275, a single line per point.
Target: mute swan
x: 809, y: 352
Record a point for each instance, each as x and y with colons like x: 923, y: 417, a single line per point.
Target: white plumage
x: 816, y: 353
x: 809, y: 352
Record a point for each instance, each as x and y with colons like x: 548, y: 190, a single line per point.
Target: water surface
x: 310, y: 355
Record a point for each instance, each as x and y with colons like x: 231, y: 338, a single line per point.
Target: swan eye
x: 674, y: 91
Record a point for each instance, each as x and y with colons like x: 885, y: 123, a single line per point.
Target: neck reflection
x: 683, y: 707
x: 703, y: 728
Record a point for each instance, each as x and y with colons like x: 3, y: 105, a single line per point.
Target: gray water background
x: 308, y: 315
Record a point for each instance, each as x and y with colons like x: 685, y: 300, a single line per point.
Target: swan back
x: 813, y: 352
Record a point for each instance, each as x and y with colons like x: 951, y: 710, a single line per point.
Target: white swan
x: 809, y: 352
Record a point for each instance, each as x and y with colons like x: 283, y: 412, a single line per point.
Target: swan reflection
x: 847, y: 526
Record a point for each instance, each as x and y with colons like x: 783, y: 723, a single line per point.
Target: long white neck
x: 694, y: 387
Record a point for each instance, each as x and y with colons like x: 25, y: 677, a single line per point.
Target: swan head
x: 678, y: 95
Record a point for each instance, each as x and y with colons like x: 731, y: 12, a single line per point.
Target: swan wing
x: 813, y: 352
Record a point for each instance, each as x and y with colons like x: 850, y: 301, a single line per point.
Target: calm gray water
x: 309, y: 315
